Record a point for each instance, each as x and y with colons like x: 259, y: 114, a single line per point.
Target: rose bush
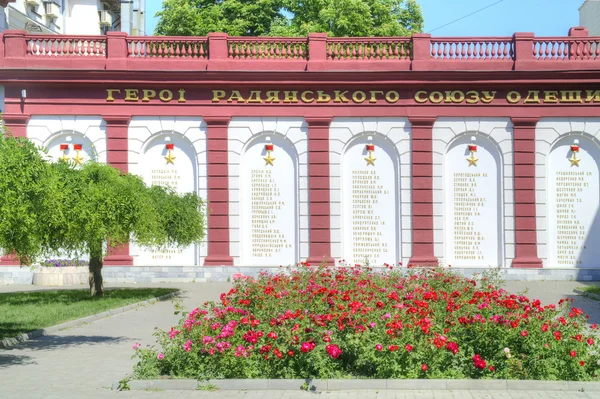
x: 341, y: 322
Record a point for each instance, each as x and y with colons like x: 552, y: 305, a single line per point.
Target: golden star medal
x: 170, y: 157
x: 574, y: 160
x: 77, y: 159
x: 472, y: 160
x: 64, y: 148
x: 269, y: 159
x: 370, y: 160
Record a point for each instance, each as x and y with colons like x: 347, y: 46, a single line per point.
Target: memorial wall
x: 370, y: 186
x: 420, y: 151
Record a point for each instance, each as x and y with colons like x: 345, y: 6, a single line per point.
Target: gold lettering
x: 218, y: 95
x: 513, y: 97
x: 420, y: 99
x: 488, y: 96
x: 181, y: 96
x: 359, y: 96
x: 273, y: 96
x: 592, y: 96
x: 472, y: 97
x: 306, y: 99
x: 165, y: 95
x: 570, y: 96
x: 451, y: 96
x: 148, y: 94
x: 323, y: 97
x: 257, y: 97
x: 533, y: 96
x: 373, y: 94
x: 109, y: 94
x: 131, y: 95
x: 291, y: 96
x: 340, y: 96
x: 392, y: 96
x: 551, y: 97
x: 436, y: 97
x: 236, y: 96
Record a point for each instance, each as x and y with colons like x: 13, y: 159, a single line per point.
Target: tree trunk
x: 95, y: 268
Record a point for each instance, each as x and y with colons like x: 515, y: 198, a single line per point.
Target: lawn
x: 591, y: 289
x: 22, y: 312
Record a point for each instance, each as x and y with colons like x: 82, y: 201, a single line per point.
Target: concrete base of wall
x: 186, y: 274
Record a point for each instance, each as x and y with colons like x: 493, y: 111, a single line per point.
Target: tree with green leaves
x: 290, y: 17
x: 49, y: 207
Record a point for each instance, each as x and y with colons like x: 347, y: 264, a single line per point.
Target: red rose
x: 424, y: 367
x: 573, y: 353
x: 408, y: 347
x: 544, y: 327
x: 581, y: 363
x: 590, y: 341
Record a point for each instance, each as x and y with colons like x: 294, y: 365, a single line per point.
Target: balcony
x: 317, y: 52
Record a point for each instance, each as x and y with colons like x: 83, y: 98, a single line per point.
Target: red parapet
x: 317, y: 52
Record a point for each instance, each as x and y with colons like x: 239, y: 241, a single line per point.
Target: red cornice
x: 217, y: 120
x: 116, y: 119
x: 423, y: 121
x: 525, y: 121
x: 318, y: 120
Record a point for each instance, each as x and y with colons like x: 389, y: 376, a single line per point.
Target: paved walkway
x: 83, y: 362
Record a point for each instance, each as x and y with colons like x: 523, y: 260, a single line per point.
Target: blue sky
x: 543, y: 17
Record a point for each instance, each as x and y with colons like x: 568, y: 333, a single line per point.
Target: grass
x: 22, y: 312
x: 591, y: 289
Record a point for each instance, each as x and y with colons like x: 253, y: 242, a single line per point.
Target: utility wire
x: 466, y: 16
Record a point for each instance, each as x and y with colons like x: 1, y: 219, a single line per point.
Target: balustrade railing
x: 369, y: 48
x: 261, y: 48
x: 488, y: 48
x: 167, y: 47
x: 316, y: 52
x: 566, y: 49
x: 65, y: 46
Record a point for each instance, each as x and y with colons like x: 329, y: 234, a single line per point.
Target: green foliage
x: 29, y: 200
x: 268, y: 17
x: 47, y: 207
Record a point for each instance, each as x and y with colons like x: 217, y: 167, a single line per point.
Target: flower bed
x: 353, y: 322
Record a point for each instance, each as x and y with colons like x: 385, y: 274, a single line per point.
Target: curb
x: 14, y: 341
x: 588, y: 294
x: 354, y: 384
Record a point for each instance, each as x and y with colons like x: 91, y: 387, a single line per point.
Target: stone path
x: 84, y: 361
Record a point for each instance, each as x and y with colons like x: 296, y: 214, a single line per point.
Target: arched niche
x: 177, y: 168
x: 573, y: 198
x: 474, y: 202
x: 65, y: 145
x: 269, y: 214
x: 370, y: 201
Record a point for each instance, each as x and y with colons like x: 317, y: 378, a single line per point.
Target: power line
x: 466, y: 16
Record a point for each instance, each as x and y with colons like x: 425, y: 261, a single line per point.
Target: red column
x: 16, y: 124
x: 218, y: 191
x: 422, y: 192
x: 116, y: 144
x: 525, y: 214
x: 319, y: 198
